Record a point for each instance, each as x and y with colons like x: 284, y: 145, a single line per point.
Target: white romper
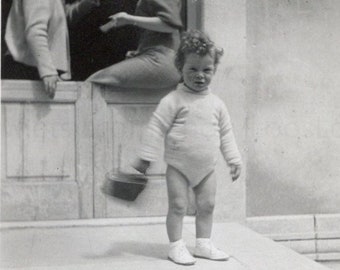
x: 195, y: 126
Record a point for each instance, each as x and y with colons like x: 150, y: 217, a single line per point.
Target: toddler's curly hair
x: 195, y: 41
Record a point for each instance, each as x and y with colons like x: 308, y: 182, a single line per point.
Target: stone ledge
x: 140, y: 247
x: 316, y: 236
x: 105, y: 222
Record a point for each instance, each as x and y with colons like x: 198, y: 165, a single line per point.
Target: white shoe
x: 179, y: 253
x: 205, y: 249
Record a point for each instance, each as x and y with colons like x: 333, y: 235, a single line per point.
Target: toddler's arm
x: 228, y: 144
x: 159, y: 124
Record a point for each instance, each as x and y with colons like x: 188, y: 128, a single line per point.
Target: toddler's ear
x: 215, y: 68
x: 219, y: 52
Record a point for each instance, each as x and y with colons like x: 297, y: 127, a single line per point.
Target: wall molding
x: 316, y: 236
x: 99, y: 222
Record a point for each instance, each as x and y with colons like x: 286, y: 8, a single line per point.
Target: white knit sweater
x: 195, y: 125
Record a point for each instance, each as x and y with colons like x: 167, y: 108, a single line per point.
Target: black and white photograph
x: 170, y: 134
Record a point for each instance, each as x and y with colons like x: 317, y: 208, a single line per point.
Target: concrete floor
x: 332, y: 265
x: 138, y: 247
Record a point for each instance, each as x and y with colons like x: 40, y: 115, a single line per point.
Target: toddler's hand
x: 235, y: 171
x: 141, y: 165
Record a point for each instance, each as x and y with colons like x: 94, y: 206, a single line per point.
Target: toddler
x: 195, y: 125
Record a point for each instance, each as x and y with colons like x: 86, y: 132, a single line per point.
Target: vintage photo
x: 165, y: 134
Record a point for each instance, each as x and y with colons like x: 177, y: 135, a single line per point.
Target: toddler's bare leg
x: 205, y: 202
x: 177, y: 194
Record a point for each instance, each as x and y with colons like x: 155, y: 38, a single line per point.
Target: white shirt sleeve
x: 37, y: 14
x: 228, y: 143
x: 159, y: 124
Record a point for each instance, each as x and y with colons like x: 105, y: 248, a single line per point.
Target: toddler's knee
x: 178, y: 206
x: 206, y: 207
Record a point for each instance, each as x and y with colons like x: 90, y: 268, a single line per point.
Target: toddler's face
x: 198, y: 71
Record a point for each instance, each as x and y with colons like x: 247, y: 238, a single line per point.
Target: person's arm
x: 149, y: 23
x: 37, y: 14
x: 77, y: 10
x: 228, y: 143
x: 159, y: 124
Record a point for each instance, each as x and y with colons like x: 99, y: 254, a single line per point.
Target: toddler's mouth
x: 199, y: 83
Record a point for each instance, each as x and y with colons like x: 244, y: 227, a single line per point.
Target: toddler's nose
x: 199, y: 76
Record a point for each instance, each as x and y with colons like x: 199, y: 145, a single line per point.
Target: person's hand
x: 120, y: 19
x: 141, y: 165
x: 50, y: 84
x: 117, y: 20
x: 235, y: 171
x: 131, y: 54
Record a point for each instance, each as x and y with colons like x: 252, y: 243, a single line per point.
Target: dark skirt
x: 153, y: 68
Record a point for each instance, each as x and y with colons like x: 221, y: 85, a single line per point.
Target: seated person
x: 152, y: 64
x: 37, y: 40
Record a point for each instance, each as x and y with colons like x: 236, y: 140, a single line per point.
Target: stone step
x: 137, y: 246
